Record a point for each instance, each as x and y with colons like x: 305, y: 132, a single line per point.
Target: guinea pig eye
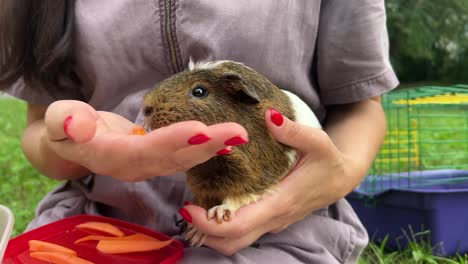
x: 199, y: 92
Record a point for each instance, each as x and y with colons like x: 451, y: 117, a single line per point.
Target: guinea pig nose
x: 148, y: 110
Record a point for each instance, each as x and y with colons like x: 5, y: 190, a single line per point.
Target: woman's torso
x: 125, y: 47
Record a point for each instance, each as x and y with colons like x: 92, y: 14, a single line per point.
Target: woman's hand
x: 100, y: 142
x: 315, y: 181
x: 323, y: 175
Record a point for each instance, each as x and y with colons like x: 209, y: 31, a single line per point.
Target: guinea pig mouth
x: 153, y: 119
x: 151, y: 124
x: 146, y: 126
x: 154, y: 122
x: 157, y: 116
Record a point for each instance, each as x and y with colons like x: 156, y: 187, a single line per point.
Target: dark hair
x: 36, y: 43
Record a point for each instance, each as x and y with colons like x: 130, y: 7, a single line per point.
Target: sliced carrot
x: 136, y: 236
x: 139, y: 236
x: 101, y: 227
x: 37, y: 245
x: 58, y: 258
x: 137, y: 130
x: 130, y: 246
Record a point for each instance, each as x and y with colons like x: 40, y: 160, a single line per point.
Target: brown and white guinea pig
x: 227, y: 91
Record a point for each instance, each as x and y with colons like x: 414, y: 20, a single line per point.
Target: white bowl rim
x: 8, y: 229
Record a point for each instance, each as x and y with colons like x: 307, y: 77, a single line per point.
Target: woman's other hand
x: 101, y: 143
x: 331, y: 165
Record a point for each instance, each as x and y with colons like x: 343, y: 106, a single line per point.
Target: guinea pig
x: 226, y: 91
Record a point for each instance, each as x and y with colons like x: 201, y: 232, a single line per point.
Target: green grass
x: 418, y: 250
x: 21, y: 186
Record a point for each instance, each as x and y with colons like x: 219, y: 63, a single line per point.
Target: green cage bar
x: 427, y: 129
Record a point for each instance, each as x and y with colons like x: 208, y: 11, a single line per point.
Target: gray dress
x: 327, y: 52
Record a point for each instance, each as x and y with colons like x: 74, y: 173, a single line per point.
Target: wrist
x: 354, y: 171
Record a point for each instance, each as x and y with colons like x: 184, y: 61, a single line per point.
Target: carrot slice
x: 101, y: 227
x: 37, y: 245
x: 136, y: 236
x: 58, y: 258
x: 137, y: 130
x: 130, y: 246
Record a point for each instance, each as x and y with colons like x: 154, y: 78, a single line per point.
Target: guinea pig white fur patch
x: 204, y: 65
x: 209, y: 65
x: 303, y: 113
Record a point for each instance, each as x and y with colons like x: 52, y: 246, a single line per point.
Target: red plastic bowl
x: 64, y: 233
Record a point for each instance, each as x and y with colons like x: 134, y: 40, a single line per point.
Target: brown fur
x: 252, y: 168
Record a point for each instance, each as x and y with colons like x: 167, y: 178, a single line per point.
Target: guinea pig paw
x: 195, y: 237
x: 220, y: 213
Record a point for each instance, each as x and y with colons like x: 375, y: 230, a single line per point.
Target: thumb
x: 70, y: 119
x: 304, y: 138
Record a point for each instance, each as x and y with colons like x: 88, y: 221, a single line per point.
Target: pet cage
x: 419, y: 180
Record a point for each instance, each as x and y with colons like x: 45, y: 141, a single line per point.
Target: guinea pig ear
x: 247, y: 93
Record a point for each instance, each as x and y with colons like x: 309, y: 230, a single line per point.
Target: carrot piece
x: 137, y: 130
x: 37, y: 245
x: 95, y: 237
x: 140, y: 236
x: 58, y: 258
x: 136, y: 236
x: 101, y: 227
x: 130, y: 246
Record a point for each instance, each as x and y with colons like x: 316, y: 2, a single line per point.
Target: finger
x: 193, y: 133
x: 70, y: 119
x: 245, y: 220
x: 222, y: 138
x: 303, y: 138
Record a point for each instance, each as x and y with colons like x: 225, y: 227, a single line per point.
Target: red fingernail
x: 185, y: 214
x: 66, y: 123
x: 276, y: 117
x: 198, y: 139
x: 235, y: 141
x: 224, y: 151
x: 187, y: 203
